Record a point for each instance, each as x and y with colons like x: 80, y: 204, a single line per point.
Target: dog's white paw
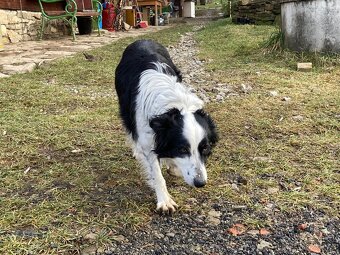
x: 174, y: 171
x: 167, y: 207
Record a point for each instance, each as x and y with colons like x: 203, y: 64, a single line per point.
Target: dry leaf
x: 264, y: 232
x: 237, y: 229
x: 302, y: 226
x: 314, y: 248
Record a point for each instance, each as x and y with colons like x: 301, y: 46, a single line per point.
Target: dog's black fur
x: 137, y: 58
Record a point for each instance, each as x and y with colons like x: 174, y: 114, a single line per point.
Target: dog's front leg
x: 165, y: 204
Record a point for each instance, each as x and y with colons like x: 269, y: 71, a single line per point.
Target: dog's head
x: 187, y: 140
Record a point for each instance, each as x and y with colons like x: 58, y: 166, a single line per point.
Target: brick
x: 304, y: 67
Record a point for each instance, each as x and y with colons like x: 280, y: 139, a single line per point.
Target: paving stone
x: 2, y: 75
x: 12, y: 69
x: 25, y: 56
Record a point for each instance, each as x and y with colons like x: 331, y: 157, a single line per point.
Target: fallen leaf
x: 314, y: 248
x: 264, y: 232
x: 237, y: 229
x: 302, y: 226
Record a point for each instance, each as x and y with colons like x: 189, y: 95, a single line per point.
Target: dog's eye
x: 206, y: 150
x: 184, y: 150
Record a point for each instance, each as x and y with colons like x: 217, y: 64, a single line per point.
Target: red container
x: 109, y: 16
x: 143, y: 24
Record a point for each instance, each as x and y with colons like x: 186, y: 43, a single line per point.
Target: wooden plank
x: 29, y: 5
x: 33, y: 5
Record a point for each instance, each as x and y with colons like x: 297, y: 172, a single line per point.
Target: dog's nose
x: 199, y: 182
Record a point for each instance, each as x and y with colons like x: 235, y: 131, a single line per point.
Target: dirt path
x: 220, y: 227
x: 185, y: 56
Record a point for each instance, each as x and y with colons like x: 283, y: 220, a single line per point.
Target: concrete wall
x: 312, y: 25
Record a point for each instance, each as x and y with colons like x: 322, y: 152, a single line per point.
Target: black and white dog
x: 164, y: 120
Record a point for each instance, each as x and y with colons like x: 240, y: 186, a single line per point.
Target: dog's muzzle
x: 199, y: 181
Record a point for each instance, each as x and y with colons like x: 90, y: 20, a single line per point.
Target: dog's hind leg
x: 155, y: 179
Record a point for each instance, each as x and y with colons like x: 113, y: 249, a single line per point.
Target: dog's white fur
x: 159, y: 93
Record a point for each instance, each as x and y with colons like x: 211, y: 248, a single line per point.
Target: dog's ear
x: 208, y: 124
x: 165, y: 120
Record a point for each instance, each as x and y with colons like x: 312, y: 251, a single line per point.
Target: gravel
x: 193, y: 233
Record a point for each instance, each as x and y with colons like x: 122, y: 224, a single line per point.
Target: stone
x: 2, y: 75
x: 213, y: 217
x: 214, y: 213
x: 13, y: 36
x: 91, y: 250
x: 304, y: 67
x: 213, y: 221
x: 12, y: 69
x: 273, y: 93
x: 3, y: 17
x: 235, y: 187
x: 286, y: 99
x: 246, y: 88
x: 3, y: 30
x: 298, y: 118
x: 253, y: 232
x: 90, y: 236
x: 13, y: 19
x: 219, y: 98
x: 170, y: 234
x: 119, y: 238
x: 264, y: 244
x: 15, y: 26
x: 262, y: 159
x: 272, y: 190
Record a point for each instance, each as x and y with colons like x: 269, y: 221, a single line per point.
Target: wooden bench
x: 70, y: 13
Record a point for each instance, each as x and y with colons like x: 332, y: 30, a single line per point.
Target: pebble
x: 90, y: 236
x: 246, y: 88
x: 119, y: 238
x: 170, y: 234
x: 214, y: 213
x: 264, y: 244
x: 184, y: 55
x: 235, y: 187
x: 298, y: 118
x: 272, y: 190
x: 253, y: 232
x: 273, y: 93
x: 262, y: 159
x: 286, y: 99
x: 213, y: 217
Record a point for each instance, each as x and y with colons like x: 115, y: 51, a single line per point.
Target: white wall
x: 312, y: 25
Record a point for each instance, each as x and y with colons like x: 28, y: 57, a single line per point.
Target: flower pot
x: 84, y: 25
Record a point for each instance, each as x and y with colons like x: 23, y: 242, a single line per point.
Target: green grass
x: 303, y: 155
x: 61, y: 122
x: 67, y: 171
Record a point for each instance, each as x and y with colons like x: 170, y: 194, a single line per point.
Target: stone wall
x: 18, y: 26
x: 256, y: 11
